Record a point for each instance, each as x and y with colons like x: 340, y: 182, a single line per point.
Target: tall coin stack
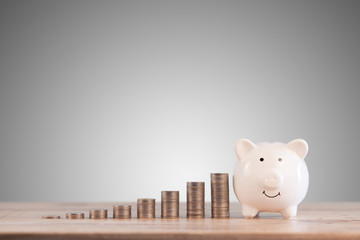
x: 220, y: 195
x: 195, y: 196
x: 146, y: 208
x: 121, y: 211
x: 169, y: 204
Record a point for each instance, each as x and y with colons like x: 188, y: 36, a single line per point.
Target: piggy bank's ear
x: 299, y: 146
x: 242, y: 147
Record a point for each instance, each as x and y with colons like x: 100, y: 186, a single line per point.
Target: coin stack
x: 51, y: 217
x: 75, y: 215
x: 169, y: 204
x: 220, y: 195
x: 195, y: 196
x: 98, y: 214
x: 121, y: 211
x: 146, y: 208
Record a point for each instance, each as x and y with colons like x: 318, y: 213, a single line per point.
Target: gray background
x: 116, y: 100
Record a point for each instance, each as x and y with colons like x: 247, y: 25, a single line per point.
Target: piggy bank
x: 270, y: 177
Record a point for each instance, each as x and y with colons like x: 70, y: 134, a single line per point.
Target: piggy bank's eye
x: 280, y: 159
x: 261, y: 159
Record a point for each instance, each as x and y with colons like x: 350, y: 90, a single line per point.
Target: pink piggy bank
x: 270, y: 177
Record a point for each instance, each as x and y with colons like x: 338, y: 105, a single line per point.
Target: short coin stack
x: 195, y: 196
x: 220, y: 195
x: 51, y: 217
x: 146, y: 208
x: 170, y: 204
x: 75, y: 215
x: 98, y: 214
x: 121, y: 211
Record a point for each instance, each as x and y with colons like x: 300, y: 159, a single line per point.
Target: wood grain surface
x: 314, y: 221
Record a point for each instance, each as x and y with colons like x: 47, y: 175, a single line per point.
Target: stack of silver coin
x: 98, y: 214
x: 146, y: 208
x: 195, y: 196
x: 170, y: 204
x: 75, y: 215
x: 220, y: 195
x: 121, y: 211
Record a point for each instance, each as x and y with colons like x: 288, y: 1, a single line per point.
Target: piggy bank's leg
x: 249, y: 212
x: 289, y: 212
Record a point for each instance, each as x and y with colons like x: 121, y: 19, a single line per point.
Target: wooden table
x: 314, y: 221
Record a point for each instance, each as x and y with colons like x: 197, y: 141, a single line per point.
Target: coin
x: 195, y: 199
x: 146, y: 208
x: 169, y: 204
x: 98, y: 214
x: 121, y: 211
x: 51, y: 217
x: 220, y: 195
x: 75, y: 215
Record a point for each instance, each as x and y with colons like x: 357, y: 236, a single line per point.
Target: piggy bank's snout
x: 272, y: 179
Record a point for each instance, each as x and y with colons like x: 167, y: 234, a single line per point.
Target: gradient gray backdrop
x: 116, y: 100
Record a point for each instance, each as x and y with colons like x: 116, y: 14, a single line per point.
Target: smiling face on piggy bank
x: 270, y: 177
